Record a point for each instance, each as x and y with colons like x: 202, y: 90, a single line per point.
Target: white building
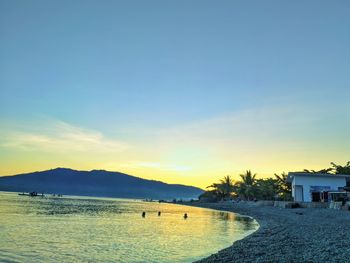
x: 314, y: 187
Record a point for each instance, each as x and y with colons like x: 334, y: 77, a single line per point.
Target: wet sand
x: 288, y: 235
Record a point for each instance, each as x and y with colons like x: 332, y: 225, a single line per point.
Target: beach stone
x: 288, y: 235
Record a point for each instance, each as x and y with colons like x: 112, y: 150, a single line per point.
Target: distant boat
x: 32, y: 194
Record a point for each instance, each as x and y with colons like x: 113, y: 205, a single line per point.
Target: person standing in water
x: 159, y: 213
x: 185, y: 216
x: 143, y: 214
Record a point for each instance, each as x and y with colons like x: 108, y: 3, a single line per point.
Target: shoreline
x: 286, y: 235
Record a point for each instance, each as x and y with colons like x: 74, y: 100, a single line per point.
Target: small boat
x: 32, y: 194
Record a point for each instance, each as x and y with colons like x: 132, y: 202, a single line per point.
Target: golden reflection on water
x: 83, y: 229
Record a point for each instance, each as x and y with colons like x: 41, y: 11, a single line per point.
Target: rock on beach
x: 287, y: 235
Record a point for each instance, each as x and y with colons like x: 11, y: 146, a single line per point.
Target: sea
x: 92, y: 229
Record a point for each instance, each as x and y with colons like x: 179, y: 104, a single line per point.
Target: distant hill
x: 95, y: 183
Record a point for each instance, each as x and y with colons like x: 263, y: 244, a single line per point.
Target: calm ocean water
x: 84, y: 229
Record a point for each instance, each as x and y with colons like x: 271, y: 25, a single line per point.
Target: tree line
x: 249, y: 187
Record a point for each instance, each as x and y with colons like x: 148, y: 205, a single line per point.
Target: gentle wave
x: 79, y: 229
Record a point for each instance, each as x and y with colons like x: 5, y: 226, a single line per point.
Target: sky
x: 178, y: 91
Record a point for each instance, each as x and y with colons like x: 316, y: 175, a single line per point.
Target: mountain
x: 95, y: 183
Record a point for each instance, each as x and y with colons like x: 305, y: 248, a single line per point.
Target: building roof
x: 292, y: 174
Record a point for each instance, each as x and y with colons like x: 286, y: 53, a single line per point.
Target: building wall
x: 307, y: 181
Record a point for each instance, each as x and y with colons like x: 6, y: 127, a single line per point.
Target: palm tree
x: 338, y: 169
x: 323, y: 171
x: 227, y: 185
x: 284, y: 188
x: 266, y: 189
x: 246, y: 187
x: 248, y: 178
x: 216, y: 189
x: 224, y: 188
x: 282, y: 181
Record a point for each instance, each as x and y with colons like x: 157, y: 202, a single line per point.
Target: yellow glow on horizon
x: 266, y: 141
x: 201, y: 175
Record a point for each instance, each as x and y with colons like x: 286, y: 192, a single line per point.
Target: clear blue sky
x: 129, y: 70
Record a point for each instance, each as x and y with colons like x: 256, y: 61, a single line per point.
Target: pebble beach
x: 287, y: 235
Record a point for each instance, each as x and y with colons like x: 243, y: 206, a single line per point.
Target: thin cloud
x: 59, y: 136
x: 260, y: 125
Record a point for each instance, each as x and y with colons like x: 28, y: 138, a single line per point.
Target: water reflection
x: 110, y: 230
x: 70, y: 207
x: 246, y: 221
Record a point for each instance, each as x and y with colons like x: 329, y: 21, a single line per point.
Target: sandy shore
x: 288, y: 235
